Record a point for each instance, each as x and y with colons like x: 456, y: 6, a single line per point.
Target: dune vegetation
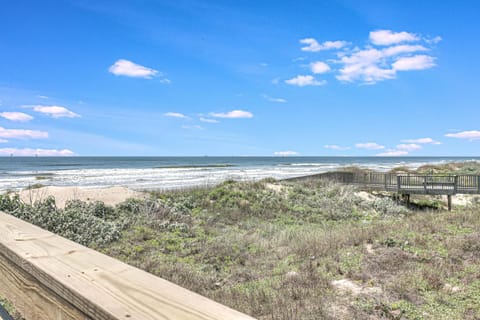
x: 308, y: 249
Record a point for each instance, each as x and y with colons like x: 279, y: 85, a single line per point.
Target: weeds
x: 272, y: 249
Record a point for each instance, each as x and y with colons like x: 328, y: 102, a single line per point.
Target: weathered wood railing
x: 408, y: 183
x: 46, y: 276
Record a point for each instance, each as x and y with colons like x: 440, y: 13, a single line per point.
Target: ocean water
x: 161, y: 173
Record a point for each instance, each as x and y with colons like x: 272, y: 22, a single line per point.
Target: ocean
x: 162, y: 173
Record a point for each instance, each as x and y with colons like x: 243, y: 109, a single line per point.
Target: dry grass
x: 274, y: 252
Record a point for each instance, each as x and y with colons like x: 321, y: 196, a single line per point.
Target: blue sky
x: 165, y: 78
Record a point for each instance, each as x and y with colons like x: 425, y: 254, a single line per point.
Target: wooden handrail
x: 49, y: 277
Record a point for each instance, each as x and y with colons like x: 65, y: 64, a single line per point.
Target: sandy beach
x: 110, y: 196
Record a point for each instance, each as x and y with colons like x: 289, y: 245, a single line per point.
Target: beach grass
x: 289, y: 250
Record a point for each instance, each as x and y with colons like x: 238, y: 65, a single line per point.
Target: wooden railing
x: 407, y: 183
x: 46, y: 276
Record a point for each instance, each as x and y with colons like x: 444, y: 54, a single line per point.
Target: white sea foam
x: 172, y: 178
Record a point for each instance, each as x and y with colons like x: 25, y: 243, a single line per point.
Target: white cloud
x: 314, y: 46
x: 36, y: 152
x: 403, y: 48
x: 3, y: 141
x: 388, y: 37
x: 207, y: 120
x: 409, y: 147
x: 42, y: 97
x: 335, y: 147
x: 372, y: 65
x: 271, y: 99
x: 369, y: 146
x: 303, y: 81
x: 422, y: 141
x: 471, y: 135
x: 54, y: 111
x: 364, y: 65
x: 285, y: 153
x: 435, y: 40
x: 393, y: 153
x: 127, y: 68
x: 418, y: 62
x: 319, y: 67
x: 175, y: 115
x: 194, y: 127
x: 233, y: 114
x: 16, y: 116
x: 22, y: 134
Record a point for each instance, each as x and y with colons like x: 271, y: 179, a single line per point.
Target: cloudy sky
x: 165, y: 78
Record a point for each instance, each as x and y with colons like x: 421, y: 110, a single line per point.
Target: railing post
x: 398, y: 184
x: 425, y: 184
x: 455, y: 182
x: 478, y: 184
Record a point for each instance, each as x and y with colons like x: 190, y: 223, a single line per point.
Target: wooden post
x: 449, y: 201
x: 398, y: 183
x: 407, y: 197
x: 425, y: 184
x: 478, y: 183
x: 455, y: 184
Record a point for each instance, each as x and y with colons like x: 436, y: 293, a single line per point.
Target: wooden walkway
x: 407, y: 184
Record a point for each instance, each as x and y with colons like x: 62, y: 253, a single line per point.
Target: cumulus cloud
x: 393, y: 153
x: 16, y: 116
x: 335, y: 147
x: 369, y: 146
x: 372, y: 65
x: 319, y: 67
x: 303, y: 81
x: 175, y: 115
x: 365, y: 65
x: 27, y: 152
x: 208, y: 120
x: 404, y: 48
x: 312, y: 45
x: 285, y: 153
x: 388, y: 53
x: 388, y: 37
x: 232, y: 114
x: 54, y: 111
x: 271, y: 99
x: 128, y: 68
x: 22, y: 134
x: 471, y: 135
x: 422, y: 141
x: 3, y: 141
x: 418, y: 62
x: 409, y: 147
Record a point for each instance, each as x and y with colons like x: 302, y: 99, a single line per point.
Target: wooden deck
x: 408, y: 183
x: 46, y: 276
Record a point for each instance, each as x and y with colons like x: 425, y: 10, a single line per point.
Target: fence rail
x: 408, y: 183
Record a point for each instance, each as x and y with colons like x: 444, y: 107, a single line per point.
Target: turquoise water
x: 177, y: 172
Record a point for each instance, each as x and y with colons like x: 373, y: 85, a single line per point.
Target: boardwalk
x: 407, y: 184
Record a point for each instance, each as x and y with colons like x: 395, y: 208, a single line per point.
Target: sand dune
x: 110, y: 196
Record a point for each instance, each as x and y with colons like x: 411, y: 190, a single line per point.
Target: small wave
x: 196, y: 166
